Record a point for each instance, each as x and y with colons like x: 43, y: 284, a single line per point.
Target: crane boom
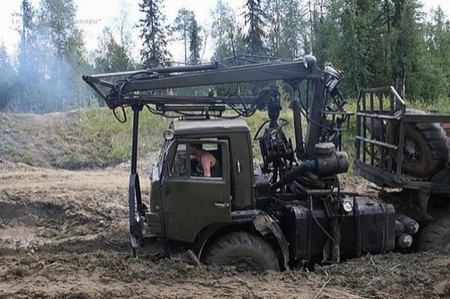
x: 157, y: 86
x: 125, y: 83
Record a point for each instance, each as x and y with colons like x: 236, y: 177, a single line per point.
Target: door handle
x: 222, y: 205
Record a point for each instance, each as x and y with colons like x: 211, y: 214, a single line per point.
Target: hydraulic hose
x: 290, y: 176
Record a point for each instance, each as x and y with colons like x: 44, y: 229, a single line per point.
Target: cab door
x: 190, y: 203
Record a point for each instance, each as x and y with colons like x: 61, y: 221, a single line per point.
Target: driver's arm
x: 206, y: 165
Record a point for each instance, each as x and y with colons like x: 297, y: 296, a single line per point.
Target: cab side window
x: 191, y: 159
x: 206, y: 159
x: 178, y: 166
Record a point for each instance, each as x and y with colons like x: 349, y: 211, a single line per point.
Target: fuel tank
x: 368, y: 226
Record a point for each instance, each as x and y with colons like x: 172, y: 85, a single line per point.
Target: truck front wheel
x: 436, y: 236
x: 245, y: 251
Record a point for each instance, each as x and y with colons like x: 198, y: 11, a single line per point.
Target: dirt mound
x: 64, y: 235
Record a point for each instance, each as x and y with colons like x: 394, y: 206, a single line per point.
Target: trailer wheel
x: 245, y: 251
x: 426, y: 150
x: 436, y: 236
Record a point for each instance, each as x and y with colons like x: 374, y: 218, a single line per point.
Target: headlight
x: 168, y: 134
x: 347, y: 205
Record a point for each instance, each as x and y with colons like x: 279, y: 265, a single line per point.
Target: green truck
x: 282, y: 210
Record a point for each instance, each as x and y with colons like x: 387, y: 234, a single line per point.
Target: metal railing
x: 376, y: 143
x: 382, y: 121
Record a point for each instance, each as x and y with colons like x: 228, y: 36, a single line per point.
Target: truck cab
x: 183, y: 202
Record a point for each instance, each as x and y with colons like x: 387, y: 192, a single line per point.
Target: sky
x: 94, y: 15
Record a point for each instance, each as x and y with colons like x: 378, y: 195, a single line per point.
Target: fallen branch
x: 323, y: 286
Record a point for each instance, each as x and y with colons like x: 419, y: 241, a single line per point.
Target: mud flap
x: 265, y: 225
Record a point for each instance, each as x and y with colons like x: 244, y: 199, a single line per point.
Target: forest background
x: 375, y: 43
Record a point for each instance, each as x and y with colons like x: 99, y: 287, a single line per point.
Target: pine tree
x: 195, y: 42
x: 434, y: 59
x: 292, y: 25
x: 27, y: 68
x: 154, y: 51
x: 114, y: 51
x: 26, y: 65
x: 182, y: 25
x: 254, y: 19
x: 353, y: 35
x: 62, y: 55
x: 226, y: 33
x: 285, y: 26
x: 6, y: 78
x: 405, y: 44
x: 274, y: 34
x: 111, y: 56
x: 317, y: 42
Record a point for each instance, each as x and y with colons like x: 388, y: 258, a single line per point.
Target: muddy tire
x: 245, y: 251
x: 426, y: 150
x: 435, y: 237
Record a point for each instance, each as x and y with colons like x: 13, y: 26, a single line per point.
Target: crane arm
x: 124, y: 88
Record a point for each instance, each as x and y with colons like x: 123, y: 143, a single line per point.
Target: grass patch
x: 77, y: 139
x: 439, y: 106
x: 92, y: 137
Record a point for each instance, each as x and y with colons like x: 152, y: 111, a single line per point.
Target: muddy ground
x: 63, y: 234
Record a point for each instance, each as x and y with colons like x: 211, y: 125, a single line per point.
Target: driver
x: 207, y: 162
